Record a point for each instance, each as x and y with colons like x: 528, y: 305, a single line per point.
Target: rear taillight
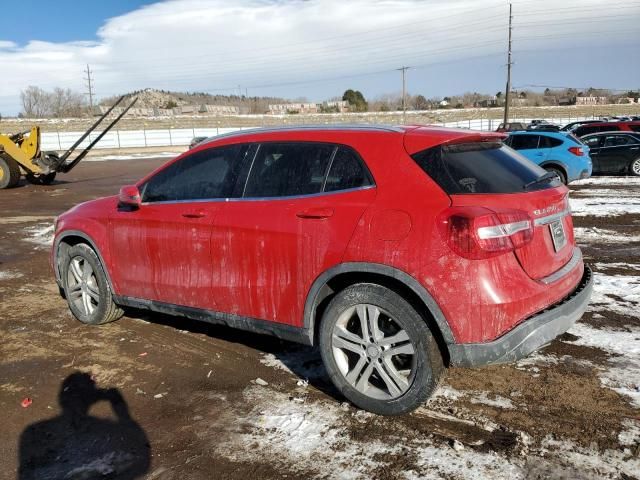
x: 477, y: 232
x: 577, y: 151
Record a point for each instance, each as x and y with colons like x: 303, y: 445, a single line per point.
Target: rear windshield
x: 481, y: 168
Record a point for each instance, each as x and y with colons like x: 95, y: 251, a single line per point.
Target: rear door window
x: 549, y: 142
x: 288, y: 169
x: 482, y: 168
x: 347, y: 171
x: 524, y: 142
x: 618, y: 140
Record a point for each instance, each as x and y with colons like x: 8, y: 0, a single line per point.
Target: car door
x: 615, y: 153
x: 162, y: 250
x: 546, y: 144
x: 594, y: 144
x: 301, y: 202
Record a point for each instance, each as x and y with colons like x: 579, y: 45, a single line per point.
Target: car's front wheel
x: 635, y: 167
x: 86, y: 287
x: 378, y: 350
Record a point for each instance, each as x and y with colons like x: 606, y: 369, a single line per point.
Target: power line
x: 509, y: 63
x: 404, y: 93
x: 90, y: 91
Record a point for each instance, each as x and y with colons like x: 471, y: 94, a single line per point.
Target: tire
x: 86, y: 287
x: 558, y: 172
x: 382, y: 383
x: 46, y: 179
x: 634, y: 168
x: 9, y: 172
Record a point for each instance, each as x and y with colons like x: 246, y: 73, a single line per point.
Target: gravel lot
x: 175, y: 399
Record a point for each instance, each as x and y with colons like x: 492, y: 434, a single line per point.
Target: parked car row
x: 579, y: 149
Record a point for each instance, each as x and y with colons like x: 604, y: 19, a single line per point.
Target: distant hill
x: 151, y: 98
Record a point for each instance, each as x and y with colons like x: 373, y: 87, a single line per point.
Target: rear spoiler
x: 424, y: 137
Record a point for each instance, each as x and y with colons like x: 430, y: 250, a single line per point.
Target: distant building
x: 340, y: 105
x: 443, y: 103
x: 591, y: 100
x: 220, y: 109
x: 283, y: 108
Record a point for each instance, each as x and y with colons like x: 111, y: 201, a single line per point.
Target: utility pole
x: 404, y: 93
x: 90, y: 90
x: 508, y: 92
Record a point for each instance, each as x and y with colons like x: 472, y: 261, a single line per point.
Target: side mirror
x: 129, y: 197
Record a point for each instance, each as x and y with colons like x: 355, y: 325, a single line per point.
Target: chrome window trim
x: 255, y: 199
x: 569, y: 266
x: 551, y: 218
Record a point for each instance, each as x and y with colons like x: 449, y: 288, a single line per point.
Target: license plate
x: 557, y: 235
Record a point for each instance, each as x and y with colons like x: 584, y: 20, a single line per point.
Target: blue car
x: 558, y: 152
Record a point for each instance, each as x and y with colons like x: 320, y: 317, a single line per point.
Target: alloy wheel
x: 373, y: 352
x: 82, y: 285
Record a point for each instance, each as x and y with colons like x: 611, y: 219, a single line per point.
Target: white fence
x: 182, y: 136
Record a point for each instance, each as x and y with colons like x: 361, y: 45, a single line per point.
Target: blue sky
x: 63, y: 20
x: 318, y: 48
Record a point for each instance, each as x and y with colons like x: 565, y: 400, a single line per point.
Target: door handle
x: 196, y: 214
x: 634, y: 148
x: 316, y: 213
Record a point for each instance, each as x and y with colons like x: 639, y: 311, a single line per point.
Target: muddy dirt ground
x: 156, y: 397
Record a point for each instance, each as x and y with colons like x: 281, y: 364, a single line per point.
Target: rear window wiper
x: 543, y: 178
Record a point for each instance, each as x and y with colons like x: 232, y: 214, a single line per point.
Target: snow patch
x: 617, y: 293
x: 8, y: 275
x: 42, y: 235
x: 623, y: 372
x: 602, y: 235
x: 631, y: 434
x: 131, y: 156
x: 604, y: 206
x: 623, y: 181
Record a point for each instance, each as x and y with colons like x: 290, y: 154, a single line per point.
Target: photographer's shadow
x: 75, y: 445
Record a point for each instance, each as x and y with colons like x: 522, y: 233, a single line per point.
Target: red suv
x: 397, y: 250
x: 597, y: 127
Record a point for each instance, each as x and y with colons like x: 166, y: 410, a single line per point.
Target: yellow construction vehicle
x: 20, y: 154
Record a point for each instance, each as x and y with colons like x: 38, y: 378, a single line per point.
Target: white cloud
x: 215, y: 45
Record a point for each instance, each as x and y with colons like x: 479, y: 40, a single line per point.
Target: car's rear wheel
x: 635, y: 167
x: 86, y: 287
x: 378, y: 350
x: 558, y: 172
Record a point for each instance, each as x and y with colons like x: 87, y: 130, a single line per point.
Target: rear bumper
x: 531, y: 334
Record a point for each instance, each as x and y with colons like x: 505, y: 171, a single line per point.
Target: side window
x: 549, y: 142
x: 524, y: 142
x: 288, y: 169
x: 592, y: 142
x: 203, y: 175
x: 347, y: 171
x: 635, y: 128
x: 617, y: 140
x: 608, y: 128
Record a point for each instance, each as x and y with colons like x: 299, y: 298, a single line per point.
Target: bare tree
x: 35, y: 102
x: 66, y: 103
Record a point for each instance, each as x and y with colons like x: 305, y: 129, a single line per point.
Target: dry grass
x: 422, y: 117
